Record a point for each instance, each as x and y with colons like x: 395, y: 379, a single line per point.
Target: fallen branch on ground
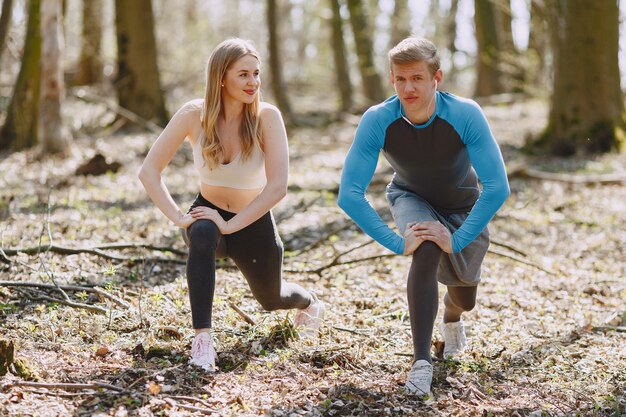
x: 96, y: 290
x: 242, y: 313
x: 520, y: 260
x: 175, y: 404
x: 524, y: 171
x: 119, y: 110
x: 67, y: 385
x: 95, y: 250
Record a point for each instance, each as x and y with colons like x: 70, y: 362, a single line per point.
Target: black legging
x: 258, y: 253
x: 423, y: 298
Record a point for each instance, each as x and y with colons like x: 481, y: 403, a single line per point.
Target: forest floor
x: 547, y: 337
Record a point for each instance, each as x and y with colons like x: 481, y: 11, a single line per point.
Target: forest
x: 95, y: 317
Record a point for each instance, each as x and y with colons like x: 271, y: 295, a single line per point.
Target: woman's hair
x: 220, y: 61
x: 415, y: 49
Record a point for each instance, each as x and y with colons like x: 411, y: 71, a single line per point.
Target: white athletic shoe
x: 310, y: 319
x: 454, y: 338
x: 419, y: 379
x: 203, y: 353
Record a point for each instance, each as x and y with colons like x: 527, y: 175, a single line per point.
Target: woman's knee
x: 203, y: 235
x: 269, y: 303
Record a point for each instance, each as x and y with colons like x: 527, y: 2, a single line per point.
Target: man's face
x: 414, y: 85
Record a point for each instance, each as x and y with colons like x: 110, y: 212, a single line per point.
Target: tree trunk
x: 372, y: 86
x: 488, y: 76
x: 21, y: 125
x: 400, y: 22
x: 504, y: 22
x: 587, y: 109
x: 5, y: 21
x: 278, y: 84
x: 138, y: 85
x: 450, y: 28
x: 54, y: 136
x: 539, y: 43
x: 90, y: 62
x: 340, y: 57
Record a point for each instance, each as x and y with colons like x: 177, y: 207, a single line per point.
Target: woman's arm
x: 159, y: 157
x: 276, y: 170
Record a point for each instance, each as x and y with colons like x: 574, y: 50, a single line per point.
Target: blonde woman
x: 240, y: 152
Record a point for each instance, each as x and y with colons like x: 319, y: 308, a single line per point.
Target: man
x: 439, y: 146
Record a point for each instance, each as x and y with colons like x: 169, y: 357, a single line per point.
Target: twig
x: 604, y: 179
x: 520, y: 260
x: 173, y: 403
x: 353, y: 331
x: 42, y: 258
x: 619, y: 329
x: 184, y: 397
x: 96, y: 290
x: 316, y: 243
x: 242, y: 313
x: 111, y: 297
x: 62, y: 250
x: 334, y: 263
x: 67, y: 385
x: 509, y: 247
x: 116, y: 108
x: 73, y: 304
x: 124, y: 245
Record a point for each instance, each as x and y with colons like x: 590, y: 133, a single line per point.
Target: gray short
x: 455, y: 269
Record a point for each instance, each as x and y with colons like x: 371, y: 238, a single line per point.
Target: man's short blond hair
x: 415, y: 49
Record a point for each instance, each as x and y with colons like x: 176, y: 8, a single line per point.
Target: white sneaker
x: 453, y: 337
x: 419, y: 379
x: 310, y: 318
x: 203, y: 353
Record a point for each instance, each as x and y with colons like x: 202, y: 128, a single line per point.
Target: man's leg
x: 458, y: 300
x: 423, y: 297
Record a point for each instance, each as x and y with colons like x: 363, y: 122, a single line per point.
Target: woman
x: 240, y: 151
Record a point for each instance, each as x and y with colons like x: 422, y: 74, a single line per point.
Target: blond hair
x: 220, y: 61
x: 415, y: 49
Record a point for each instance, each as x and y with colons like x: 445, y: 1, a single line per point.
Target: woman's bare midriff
x: 229, y: 199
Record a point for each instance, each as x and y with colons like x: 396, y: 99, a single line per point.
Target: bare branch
x: 243, y: 314
x: 67, y: 385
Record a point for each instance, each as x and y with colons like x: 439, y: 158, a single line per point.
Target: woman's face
x: 242, y: 80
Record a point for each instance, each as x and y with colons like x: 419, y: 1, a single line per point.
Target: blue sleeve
x: 356, y: 176
x: 486, y: 159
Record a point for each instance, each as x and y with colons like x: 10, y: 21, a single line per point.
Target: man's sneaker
x: 310, y: 319
x: 453, y: 337
x: 203, y: 353
x: 419, y: 379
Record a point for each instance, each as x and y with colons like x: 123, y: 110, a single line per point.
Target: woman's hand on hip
x: 202, y: 212
x: 185, y: 220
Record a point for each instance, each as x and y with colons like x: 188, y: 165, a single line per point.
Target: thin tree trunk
x: 400, y: 22
x: 5, y: 22
x: 54, y: 136
x: 340, y: 57
x: 278, y: 84
x: 138, y: 84
x: 450, y: 26
x: 372, y: 86
x: 488, y: 76
x: 587, y: 112
x: 21, y: 126
x: 90, y: 62
x: 539, y: 43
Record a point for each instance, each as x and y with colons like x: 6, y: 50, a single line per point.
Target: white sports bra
x: 247, y: 175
